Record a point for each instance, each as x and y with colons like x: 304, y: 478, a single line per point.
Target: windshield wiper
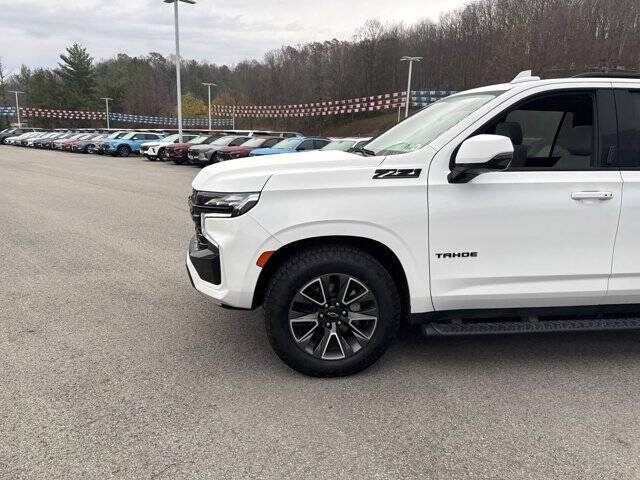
x: 364, y: 152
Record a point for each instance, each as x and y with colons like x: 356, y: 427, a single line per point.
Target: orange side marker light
x: 264, y: 257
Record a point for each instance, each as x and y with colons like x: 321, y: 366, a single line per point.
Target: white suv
x: 494, y: 210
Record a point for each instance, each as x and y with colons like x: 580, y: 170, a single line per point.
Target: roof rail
x: 614, y: 74
x: 524, y: 76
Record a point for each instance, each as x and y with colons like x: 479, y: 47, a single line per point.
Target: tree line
x: 487, y: 41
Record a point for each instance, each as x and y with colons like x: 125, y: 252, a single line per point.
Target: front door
x: 539, y: 234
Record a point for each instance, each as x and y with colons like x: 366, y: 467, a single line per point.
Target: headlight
x: 223, y: 204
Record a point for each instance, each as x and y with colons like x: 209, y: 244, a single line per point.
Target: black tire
x: 123, y: 151
x: 178, y: 160
x: 160, y: 155
x: 302, y: 268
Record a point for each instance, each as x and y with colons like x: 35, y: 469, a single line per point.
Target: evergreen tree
x: 78, y: 77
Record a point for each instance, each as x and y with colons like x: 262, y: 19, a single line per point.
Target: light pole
x: 106, y: 101
x: 410, y: 60
x: 178, y: 85
x: 209, y: 85
x: 17, y: 105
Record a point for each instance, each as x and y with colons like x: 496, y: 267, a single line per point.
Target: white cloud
x: 34, y: 32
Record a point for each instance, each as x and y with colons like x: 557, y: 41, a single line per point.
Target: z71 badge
x: 396, y: 173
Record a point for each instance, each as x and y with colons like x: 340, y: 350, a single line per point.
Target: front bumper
x: 231, y: 251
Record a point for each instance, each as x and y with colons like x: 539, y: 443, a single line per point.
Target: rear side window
x: 270, y: 143
x: 306, y: 145
x: 238, y: 141
x: 320, y: 143
x: 628, y: 107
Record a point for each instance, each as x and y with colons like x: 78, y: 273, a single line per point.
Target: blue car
x: 292, y: 145
x: 129, y: 143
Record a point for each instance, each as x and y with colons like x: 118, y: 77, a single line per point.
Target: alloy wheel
x: 333, y: 316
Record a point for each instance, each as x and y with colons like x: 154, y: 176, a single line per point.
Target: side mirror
x: 481, y: 154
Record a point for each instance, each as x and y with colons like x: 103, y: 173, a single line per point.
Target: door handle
x: 592, y: 195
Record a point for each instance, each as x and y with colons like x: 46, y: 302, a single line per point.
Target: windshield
x: 343, y: 145
x: 425, y: 126
x: 223, y: 141
x: 254, y: 142
x: 198, y: 140
x: 171, y: 138
x: 288, y: 143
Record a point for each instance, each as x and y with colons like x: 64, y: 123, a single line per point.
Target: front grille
x: 192, y: 154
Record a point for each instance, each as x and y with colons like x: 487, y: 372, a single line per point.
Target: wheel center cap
x: 332, y: 314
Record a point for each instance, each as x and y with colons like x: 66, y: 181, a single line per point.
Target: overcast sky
x: 34, y: 32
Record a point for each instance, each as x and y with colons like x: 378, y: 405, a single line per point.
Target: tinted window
x: 628, y: 106
x: 552, y: 132
x: 306, y: 145
x: 238, y: 141
x: 270, y: 143
x: 320, y: 143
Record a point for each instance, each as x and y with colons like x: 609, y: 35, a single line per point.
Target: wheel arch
x: 378, y: 250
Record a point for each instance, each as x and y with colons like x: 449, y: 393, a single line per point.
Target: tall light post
x: 178, y: 62
x: 17, y: 105
x: 209, y: 85
x: 410, y: 60
x: 106, y: 101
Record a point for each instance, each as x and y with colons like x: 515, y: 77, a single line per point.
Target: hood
x: 236, y: 149
x: 272, y: 151
x: 202, y: 147
x: 251, y: 174
x: 178, y: 146
x: 155, y: 144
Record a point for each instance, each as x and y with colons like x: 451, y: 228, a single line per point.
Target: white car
x: 155, y: 150
x: 494, y: 210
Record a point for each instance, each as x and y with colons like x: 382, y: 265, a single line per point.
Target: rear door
x: 624, y: 286
x: 539, y: 234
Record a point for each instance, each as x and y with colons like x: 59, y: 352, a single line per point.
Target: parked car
x: 494, y: 210
x: 129, y: 143
x: 206, y: 155
x: 82, y: 146
x: 11, y: 132
x: 244, y: 149
x: 68, y: 145
x: 31, y: 140
x: 346, y: 144
x: 97, y: 146
x: 48, y: 141
x: 16, y: 140
x: 156, y: 150
x: 178, y: 152
x: 58, y: 144
x: 292, y: 145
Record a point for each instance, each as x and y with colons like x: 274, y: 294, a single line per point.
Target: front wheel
x: 123, y: 151
x: 331, y: 311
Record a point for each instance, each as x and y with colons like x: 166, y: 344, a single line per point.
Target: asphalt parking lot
x: 112, y: 366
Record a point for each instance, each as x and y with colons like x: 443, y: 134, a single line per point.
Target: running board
x: 528, y: 326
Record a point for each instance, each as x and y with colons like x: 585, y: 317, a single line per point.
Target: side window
x: 628, y: 107
x: 270, y: 143
x: 238, y: 141
x: 305, y: 145
x: 551, y: 132
x: 320, y: 143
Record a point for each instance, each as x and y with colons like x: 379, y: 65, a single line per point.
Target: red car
x: 178, y: 151
x: 243, y: 150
